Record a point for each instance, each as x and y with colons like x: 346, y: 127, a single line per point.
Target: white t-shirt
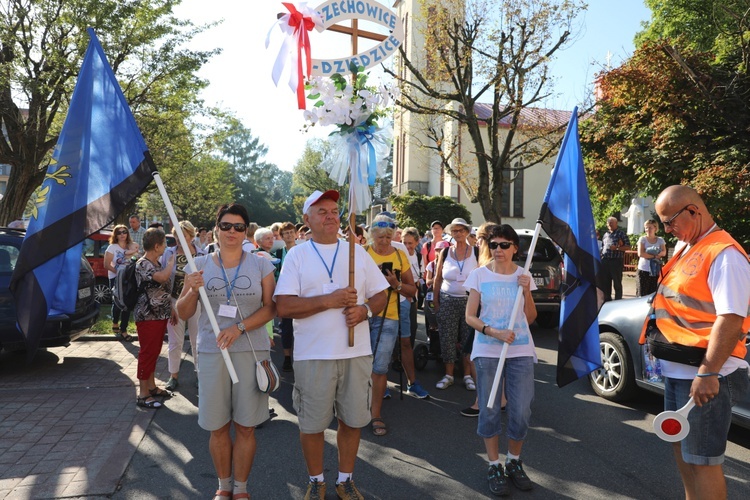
x: 325, y: 335
x: 498, y: 294
x: 643, y: 264
x: 456, y: 272
x: 729, y: 282
x: 118, y: 258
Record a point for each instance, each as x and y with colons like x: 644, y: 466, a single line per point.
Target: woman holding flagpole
x: 240, y: 288
x: 494, y: 287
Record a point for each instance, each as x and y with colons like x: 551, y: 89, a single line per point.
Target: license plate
x: 539, y: 281
x: 84, y: 292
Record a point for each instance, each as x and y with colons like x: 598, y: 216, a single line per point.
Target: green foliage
x: 418, y: 210
x: 259, y: 185
x: 656, y: 126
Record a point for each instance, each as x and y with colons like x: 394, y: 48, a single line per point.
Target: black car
x: 624, y: 368
x: 60, y: 329
x: 548, y: 273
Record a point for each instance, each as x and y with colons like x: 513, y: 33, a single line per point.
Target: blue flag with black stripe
x: 99, y: 165
x: 568, y: 220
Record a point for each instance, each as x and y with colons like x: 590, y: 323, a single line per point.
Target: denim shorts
x: 518, y: 374
x: 709, y: 424
x: 382, y: 358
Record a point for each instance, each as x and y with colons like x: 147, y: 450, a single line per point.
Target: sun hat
x: 311, y: 200
x: 457, y: 222
x: 442, y: 244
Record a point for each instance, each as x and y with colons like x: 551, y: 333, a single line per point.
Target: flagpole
x: 193, y: 268
x: 513, y: 315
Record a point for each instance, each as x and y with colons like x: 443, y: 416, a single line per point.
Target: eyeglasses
x: 238, y: 226
x: 502, y: 244
x: 388, y: 225
x: 668, y: 222
x: 118, y: 233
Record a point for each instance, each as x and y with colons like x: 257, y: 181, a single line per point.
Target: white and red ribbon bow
x: 296, y: 27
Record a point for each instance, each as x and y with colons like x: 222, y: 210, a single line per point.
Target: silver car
x: 624, y: 368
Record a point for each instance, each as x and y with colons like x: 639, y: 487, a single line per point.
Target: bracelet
x: 712, y: 374
x: 483, y: 329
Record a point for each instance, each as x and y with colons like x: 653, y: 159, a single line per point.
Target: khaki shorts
x: 322, y: 386
x: 220, y: 401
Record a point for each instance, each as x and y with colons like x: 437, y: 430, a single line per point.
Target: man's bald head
x: 675, y: 197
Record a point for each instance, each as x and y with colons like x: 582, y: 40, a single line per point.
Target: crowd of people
x: 340, y: 340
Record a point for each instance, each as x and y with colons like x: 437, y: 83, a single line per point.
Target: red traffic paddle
x: 673, y: 426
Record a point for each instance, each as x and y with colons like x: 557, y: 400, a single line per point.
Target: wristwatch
x: 398, y: 288
x: 369, y: 311
x: 241, y: 327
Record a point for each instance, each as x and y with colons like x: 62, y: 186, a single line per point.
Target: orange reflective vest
x: 683, y: 305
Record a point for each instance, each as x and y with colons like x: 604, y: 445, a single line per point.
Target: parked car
x: 60, y: 329
x: 548, y: 273
x: 93, y: 249
x: 624, y: 367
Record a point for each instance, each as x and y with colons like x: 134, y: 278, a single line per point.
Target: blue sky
x: 240, y: 78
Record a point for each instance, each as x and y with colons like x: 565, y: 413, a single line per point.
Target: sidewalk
x: 68, y: 422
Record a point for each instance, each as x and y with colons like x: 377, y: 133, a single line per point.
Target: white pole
x: 192, y: 268
x: 513, y: 315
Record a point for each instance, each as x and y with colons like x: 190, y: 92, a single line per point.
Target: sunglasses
x: 388, y: 225
x: 240, y: 227
x: 502, y: 244
x: 118, y: 233
x: 668, y: 222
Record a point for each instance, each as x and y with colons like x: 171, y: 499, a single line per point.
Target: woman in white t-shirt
x: 494, y: 287
x: 121, y: 248
x: 651, y: 249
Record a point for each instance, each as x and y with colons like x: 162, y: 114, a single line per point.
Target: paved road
x: 69, y: 428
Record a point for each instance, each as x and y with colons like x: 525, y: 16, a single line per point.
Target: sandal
x: 160, y: 393
x: 469, y: 383
x: 445, y: 382
x: 115, y: 328
x: 224, y: 494
x: 124, y: 336
x: 378, y: 427
x: 148, y: 402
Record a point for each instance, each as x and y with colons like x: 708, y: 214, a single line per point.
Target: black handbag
x: 662, y: 348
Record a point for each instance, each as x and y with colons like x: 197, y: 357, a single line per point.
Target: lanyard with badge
x: 226, y: 310
x: 331, y: 286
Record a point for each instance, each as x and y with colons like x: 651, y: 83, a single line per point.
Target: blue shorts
x: 518, y: 374
x: 709, y: 424
x: 404, y: 318
x: 382, y: 358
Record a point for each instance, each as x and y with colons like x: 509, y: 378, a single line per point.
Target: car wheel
x: 615, y: 381
x: 548, y: 319
x: 421, y: 356
x: 102, y: 292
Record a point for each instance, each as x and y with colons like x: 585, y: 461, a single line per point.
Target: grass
x: 103, y: 325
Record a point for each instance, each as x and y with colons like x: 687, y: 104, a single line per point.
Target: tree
x: 498, y: 53
x: 42, y: 43
x: 307, y: 175
x: 675, y: 115
x: 655, y: 127
x: 259, y: 184
x: 417, y: 210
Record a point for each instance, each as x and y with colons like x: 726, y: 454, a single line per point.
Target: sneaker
x: 315, y: 490
x: 514, y: 470
x: 497, y: 481
x: 469, y: 383
x: 445, y: 382
x: 287, y: 366
x: 387, y: 394
x: 418, y: 391
x: 172, y: 384
x: 470, y: 412
x: 347, y: 491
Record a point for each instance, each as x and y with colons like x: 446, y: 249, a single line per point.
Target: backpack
x: 126, y: 290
